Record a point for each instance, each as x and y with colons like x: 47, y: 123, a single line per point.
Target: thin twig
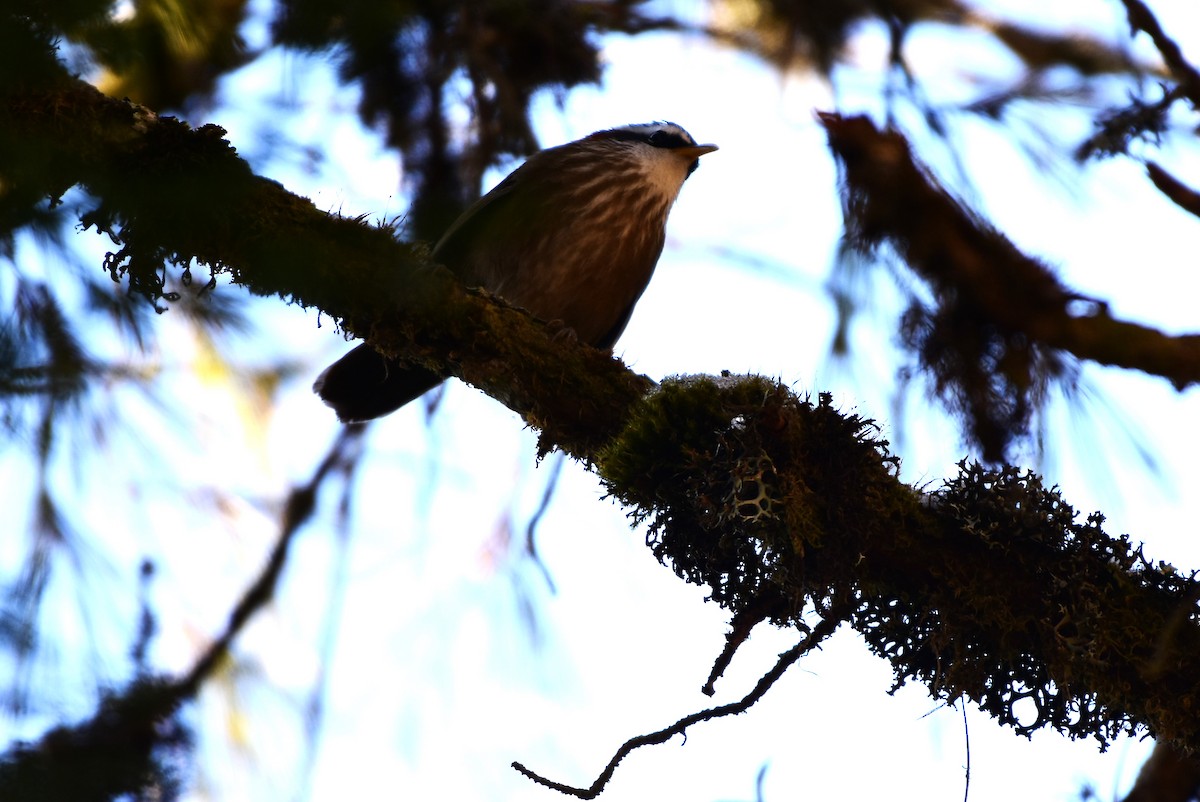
x: 743, y: 621
x: 819, y: 633
x: 315, y: 708
x: 298, y: 508
x: 558, y: 460
x: 967, y: 744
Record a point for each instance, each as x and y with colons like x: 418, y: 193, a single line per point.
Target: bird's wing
x: 466, y: 227
x: 609, y: 339
x: 481, y: 243
x: 486, y: 232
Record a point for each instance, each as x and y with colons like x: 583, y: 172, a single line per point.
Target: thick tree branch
x: 990, y: 588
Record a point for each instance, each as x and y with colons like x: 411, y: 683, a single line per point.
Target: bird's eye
x: 660, y: 139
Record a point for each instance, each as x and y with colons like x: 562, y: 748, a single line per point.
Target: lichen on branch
x: 989, y: 587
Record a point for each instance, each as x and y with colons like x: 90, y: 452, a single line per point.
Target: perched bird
x: 572, y: 236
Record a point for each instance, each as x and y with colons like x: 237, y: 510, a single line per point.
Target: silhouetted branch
x: 1117, y: 128
x: 1179, y: 193
x: 1170, y: 774
x: 123, y: 748
x: 1142, y: 18
x: 990, y: 588
x: 298, y: 508
x: 739, y: 631
x: 1003, y: 325
x: 814, y: 638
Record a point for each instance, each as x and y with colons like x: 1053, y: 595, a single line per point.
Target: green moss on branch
x: 989, y: 588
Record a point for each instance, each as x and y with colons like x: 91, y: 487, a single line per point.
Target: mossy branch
x: 989, y: 587
x: 170, y: 195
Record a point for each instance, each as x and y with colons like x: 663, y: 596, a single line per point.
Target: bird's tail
x: 364, y: 384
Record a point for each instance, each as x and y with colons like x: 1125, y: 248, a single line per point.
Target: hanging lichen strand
x: 989, y: 587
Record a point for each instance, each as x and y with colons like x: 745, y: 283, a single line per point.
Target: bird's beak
x: 693, y: 151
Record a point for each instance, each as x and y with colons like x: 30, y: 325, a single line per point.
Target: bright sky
x: 440, y: 675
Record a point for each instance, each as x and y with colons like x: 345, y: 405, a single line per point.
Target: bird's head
x: 661, y: 151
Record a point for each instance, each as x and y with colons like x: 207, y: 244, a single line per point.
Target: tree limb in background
x: 1168, y: 775
x: 1117, y: 128
x: 1003, y: 327
x: 409, y: 62
x: 297, y: 510
x: 125, y: 748
x: 1179, y: 193
x: 817, y: 36
x: 1143, y: 19
x: 1142, y: 119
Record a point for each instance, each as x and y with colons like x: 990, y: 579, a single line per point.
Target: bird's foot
x: 561, y: 332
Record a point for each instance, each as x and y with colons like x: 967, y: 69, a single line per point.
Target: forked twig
x: 819, y: 633
x: 1142, y: 18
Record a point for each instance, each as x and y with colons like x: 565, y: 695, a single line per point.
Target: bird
x: 572, y: 236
